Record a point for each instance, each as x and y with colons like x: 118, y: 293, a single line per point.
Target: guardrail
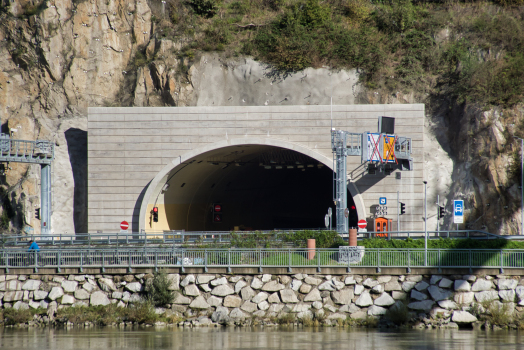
x: 181, y: 237
x: 261, y: 258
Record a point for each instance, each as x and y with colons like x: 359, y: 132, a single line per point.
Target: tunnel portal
x: 245, y: 187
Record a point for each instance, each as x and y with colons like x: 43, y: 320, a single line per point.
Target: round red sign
x: 218, y: 208
x: 124, y: 225
x: 362, y: 223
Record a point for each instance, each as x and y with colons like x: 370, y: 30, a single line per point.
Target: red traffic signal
x: 155, y: 214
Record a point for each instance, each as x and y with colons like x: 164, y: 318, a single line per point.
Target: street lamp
x: 521, y: 185
x: 425, y: 224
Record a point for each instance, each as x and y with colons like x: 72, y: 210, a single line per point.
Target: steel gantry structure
x: 33, y: 152
x: 381, y: 150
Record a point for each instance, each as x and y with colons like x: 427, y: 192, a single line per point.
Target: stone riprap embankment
x: 207, y: 299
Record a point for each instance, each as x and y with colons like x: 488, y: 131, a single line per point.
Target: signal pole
x: 398, y: 213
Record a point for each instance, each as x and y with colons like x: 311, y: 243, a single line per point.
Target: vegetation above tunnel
x: 467, y: 51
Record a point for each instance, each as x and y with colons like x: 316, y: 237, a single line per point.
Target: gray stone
x: 399, y: 295
x: 19, y: 305
x: 318, y: 305
x: 414, y: 278
x: 220, y: 317
x: 43, y: 304
x: 445, y: 283
x: 247, y: 293
x: 204, y: 279
x: 330, y: 308
x: 40, y: 294
x: 392, y: 285
x: 288, y: 296
x: 463, y: 317
x: 313, y: 281
x: 300, y: 276
x: 266, y: 278
x: 191, y: 290
x: 370, y: 283
x: 384, y: 300
x: 214, y: 301
x: 314, y: 295
x: 223, y: 290
x: 487, y: 296
x: 418, y: 295
x: 69, y: 286
x: 439, y: 294
x: 82, y: 294
x: 378, y: 289
x: 383, y: 279
x: 115, y: 295
x: 305, y: 288
x: 276, y: 307
x: 359, y: 289
x: 301, y: 308
x: 296, y: 284
x: 67, y: 300
x: 99, y: 298
x: 359, y: 315
x: 205, y: 288
x: 462, y: 286
x: 273, y: 286
x: 88, y: 287
x: 34, y: 304
x: 481, y: 285
x: 502, y: 284
x: 13, y: 285
x: 236, y: 313
x: 375, y: 310
x: 464, y: 298
x: 350, y: 280
x: 507, y: 295
x: 106, y: 284
x: 263, y: 305
x: 469, y: 278
x: 235, y: 279
x: 187, y: 280
x: 260, y: 297
x: 31, y: 285
x: 364, y: 300
x: 135, y: 298
x: 55, y: 293
x: 328, y: 286
x: 425, y: 305
x: 420, y: 286
x: 180, y: 299
x: 435, y: 279
x: 408, y: 286
x: 249, y: 307
x: 219, y: 282
x: 273, y: 298
x: 520, y: 292
x: 174, y: 278
x: 342, y: 297
x: 232, y: 301
x: 199, y: 303
x: 239, y: 285
x: 447, y: 304
x: 133, y: 287
x: 256, y: 283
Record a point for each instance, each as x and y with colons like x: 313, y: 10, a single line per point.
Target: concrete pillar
x: 311, y: 248
x: 352, y: 237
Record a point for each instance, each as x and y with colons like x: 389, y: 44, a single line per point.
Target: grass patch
x: 107, y: 314
x: 13, y: 317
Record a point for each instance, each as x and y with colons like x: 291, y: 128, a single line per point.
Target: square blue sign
x: 382, y: 201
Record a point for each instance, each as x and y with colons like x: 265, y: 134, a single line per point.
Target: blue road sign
x: 458, y: 211
x: 382, y: 201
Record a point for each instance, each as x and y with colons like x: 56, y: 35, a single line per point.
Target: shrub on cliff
x: 157, y: 289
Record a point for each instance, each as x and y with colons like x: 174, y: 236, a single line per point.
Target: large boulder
x: 82, y: 294
x: 107, y: 284
x: 67, y: 300
x: 55, y: 293
x: 418, y: 295
x: 462, y: 286
x: 502, y: 284
x: 31, y: 285
x: 134, y: 287
x: 232, y: 301
x: 425, y: 305
x: 342, y: 297
x: 214, y: 301
x: 256, y: 283
x: 247, y: 293
x: 182, y: 300
x: 464, y: 298
x: 260, y: 297
x: 392, y: 285
x: 203, y: 279
x: 312, y: 280
x: 507, y: 295
x: 219, y: 282
x: 40, y: 294
x: 487, y: 296
x: 481, y: 285
x: 199, y: 303
x: 222, y: 290
x: 249, y: 307
x: 273, y: 286
x: 314, y: 295
x: 288, y: 296
x: 174, y: 278
x: 239, y: 285
x: 384, y: 300
x: 191, y: 290
x: 375, y: 310
x: 69, y: 286
x: 439, y: 294
x: 370, y: 283
x: 364, y: 300
x: 99, y: 298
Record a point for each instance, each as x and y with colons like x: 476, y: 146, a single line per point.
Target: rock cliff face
x: 58, y: 58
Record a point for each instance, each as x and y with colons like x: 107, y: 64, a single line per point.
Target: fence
x: 184, y: 237
x: 230, y: 258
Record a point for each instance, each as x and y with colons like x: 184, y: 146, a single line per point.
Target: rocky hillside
x: 59, y: 57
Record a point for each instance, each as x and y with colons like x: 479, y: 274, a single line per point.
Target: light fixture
x: 278, y: 167
x: 300, y: 166
x: 214, y: 163
x: 310, y: 165
x: 267, y: 167
x: 290, y: 166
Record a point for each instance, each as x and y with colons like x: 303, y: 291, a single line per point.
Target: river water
x: 252, y: 338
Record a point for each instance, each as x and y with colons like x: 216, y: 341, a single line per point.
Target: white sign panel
x: 373, y: 147
x: 458, y: 211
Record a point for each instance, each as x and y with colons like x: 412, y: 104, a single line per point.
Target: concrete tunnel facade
x: 268, y: 167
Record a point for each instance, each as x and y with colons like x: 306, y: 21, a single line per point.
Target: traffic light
x: 402, y: 208
x: 441, y: 212
x: 155, y: 214
x: 217, y: 212
x: 37, y: 213
x: 353, y: 216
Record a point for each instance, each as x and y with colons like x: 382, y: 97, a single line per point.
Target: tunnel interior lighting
x: 278, y: 167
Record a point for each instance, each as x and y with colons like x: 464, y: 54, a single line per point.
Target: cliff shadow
x: 136, y: 210
x: 77, y: 148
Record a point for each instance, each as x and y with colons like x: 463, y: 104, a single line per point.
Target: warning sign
x: 388, y: 149
x: 373, y: 144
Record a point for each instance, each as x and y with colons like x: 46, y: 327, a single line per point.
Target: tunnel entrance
x: 245, y: 187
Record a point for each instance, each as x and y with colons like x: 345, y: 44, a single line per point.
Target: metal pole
x: 425, y: 225
x: 438, y: 218
x: 522, y: 186
x: 45, y: 199
x: 398, y: 213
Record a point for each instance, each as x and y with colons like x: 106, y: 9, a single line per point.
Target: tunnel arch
x: 156, y: 187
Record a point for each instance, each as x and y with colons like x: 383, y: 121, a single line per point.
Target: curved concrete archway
x: 157, y: 186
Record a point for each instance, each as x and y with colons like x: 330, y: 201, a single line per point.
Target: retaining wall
x: 206, y: 299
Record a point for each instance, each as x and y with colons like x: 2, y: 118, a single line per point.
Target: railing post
x: 409, y: 261
x: 81, y: 261
x: 156, y: 260
x: 127, y: 238
x: 129, y: 261
x: 36, y: 261
x: 183, y: 269
x: 229, y: 260
x: 205, y: 260
x: 289, y: 260
x: 378, y: 260
x: 6, y: 255
x: 103, y: 262
x: 470, y: 260
x: 317, y: 254
x: 59, y: 257
x: 259, y: 259
x: 501, y: 262
x: 439, y: 265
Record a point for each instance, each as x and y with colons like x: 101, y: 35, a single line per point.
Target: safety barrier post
x: 378, y: 261
x: 259, y: 260
x: 205, y: 260
x: 289, y: 260
x: 229, y: 260
x: 156, y: 260
x: 501, y: 262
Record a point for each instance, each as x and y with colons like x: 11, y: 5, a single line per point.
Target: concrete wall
x: 129, y: 147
